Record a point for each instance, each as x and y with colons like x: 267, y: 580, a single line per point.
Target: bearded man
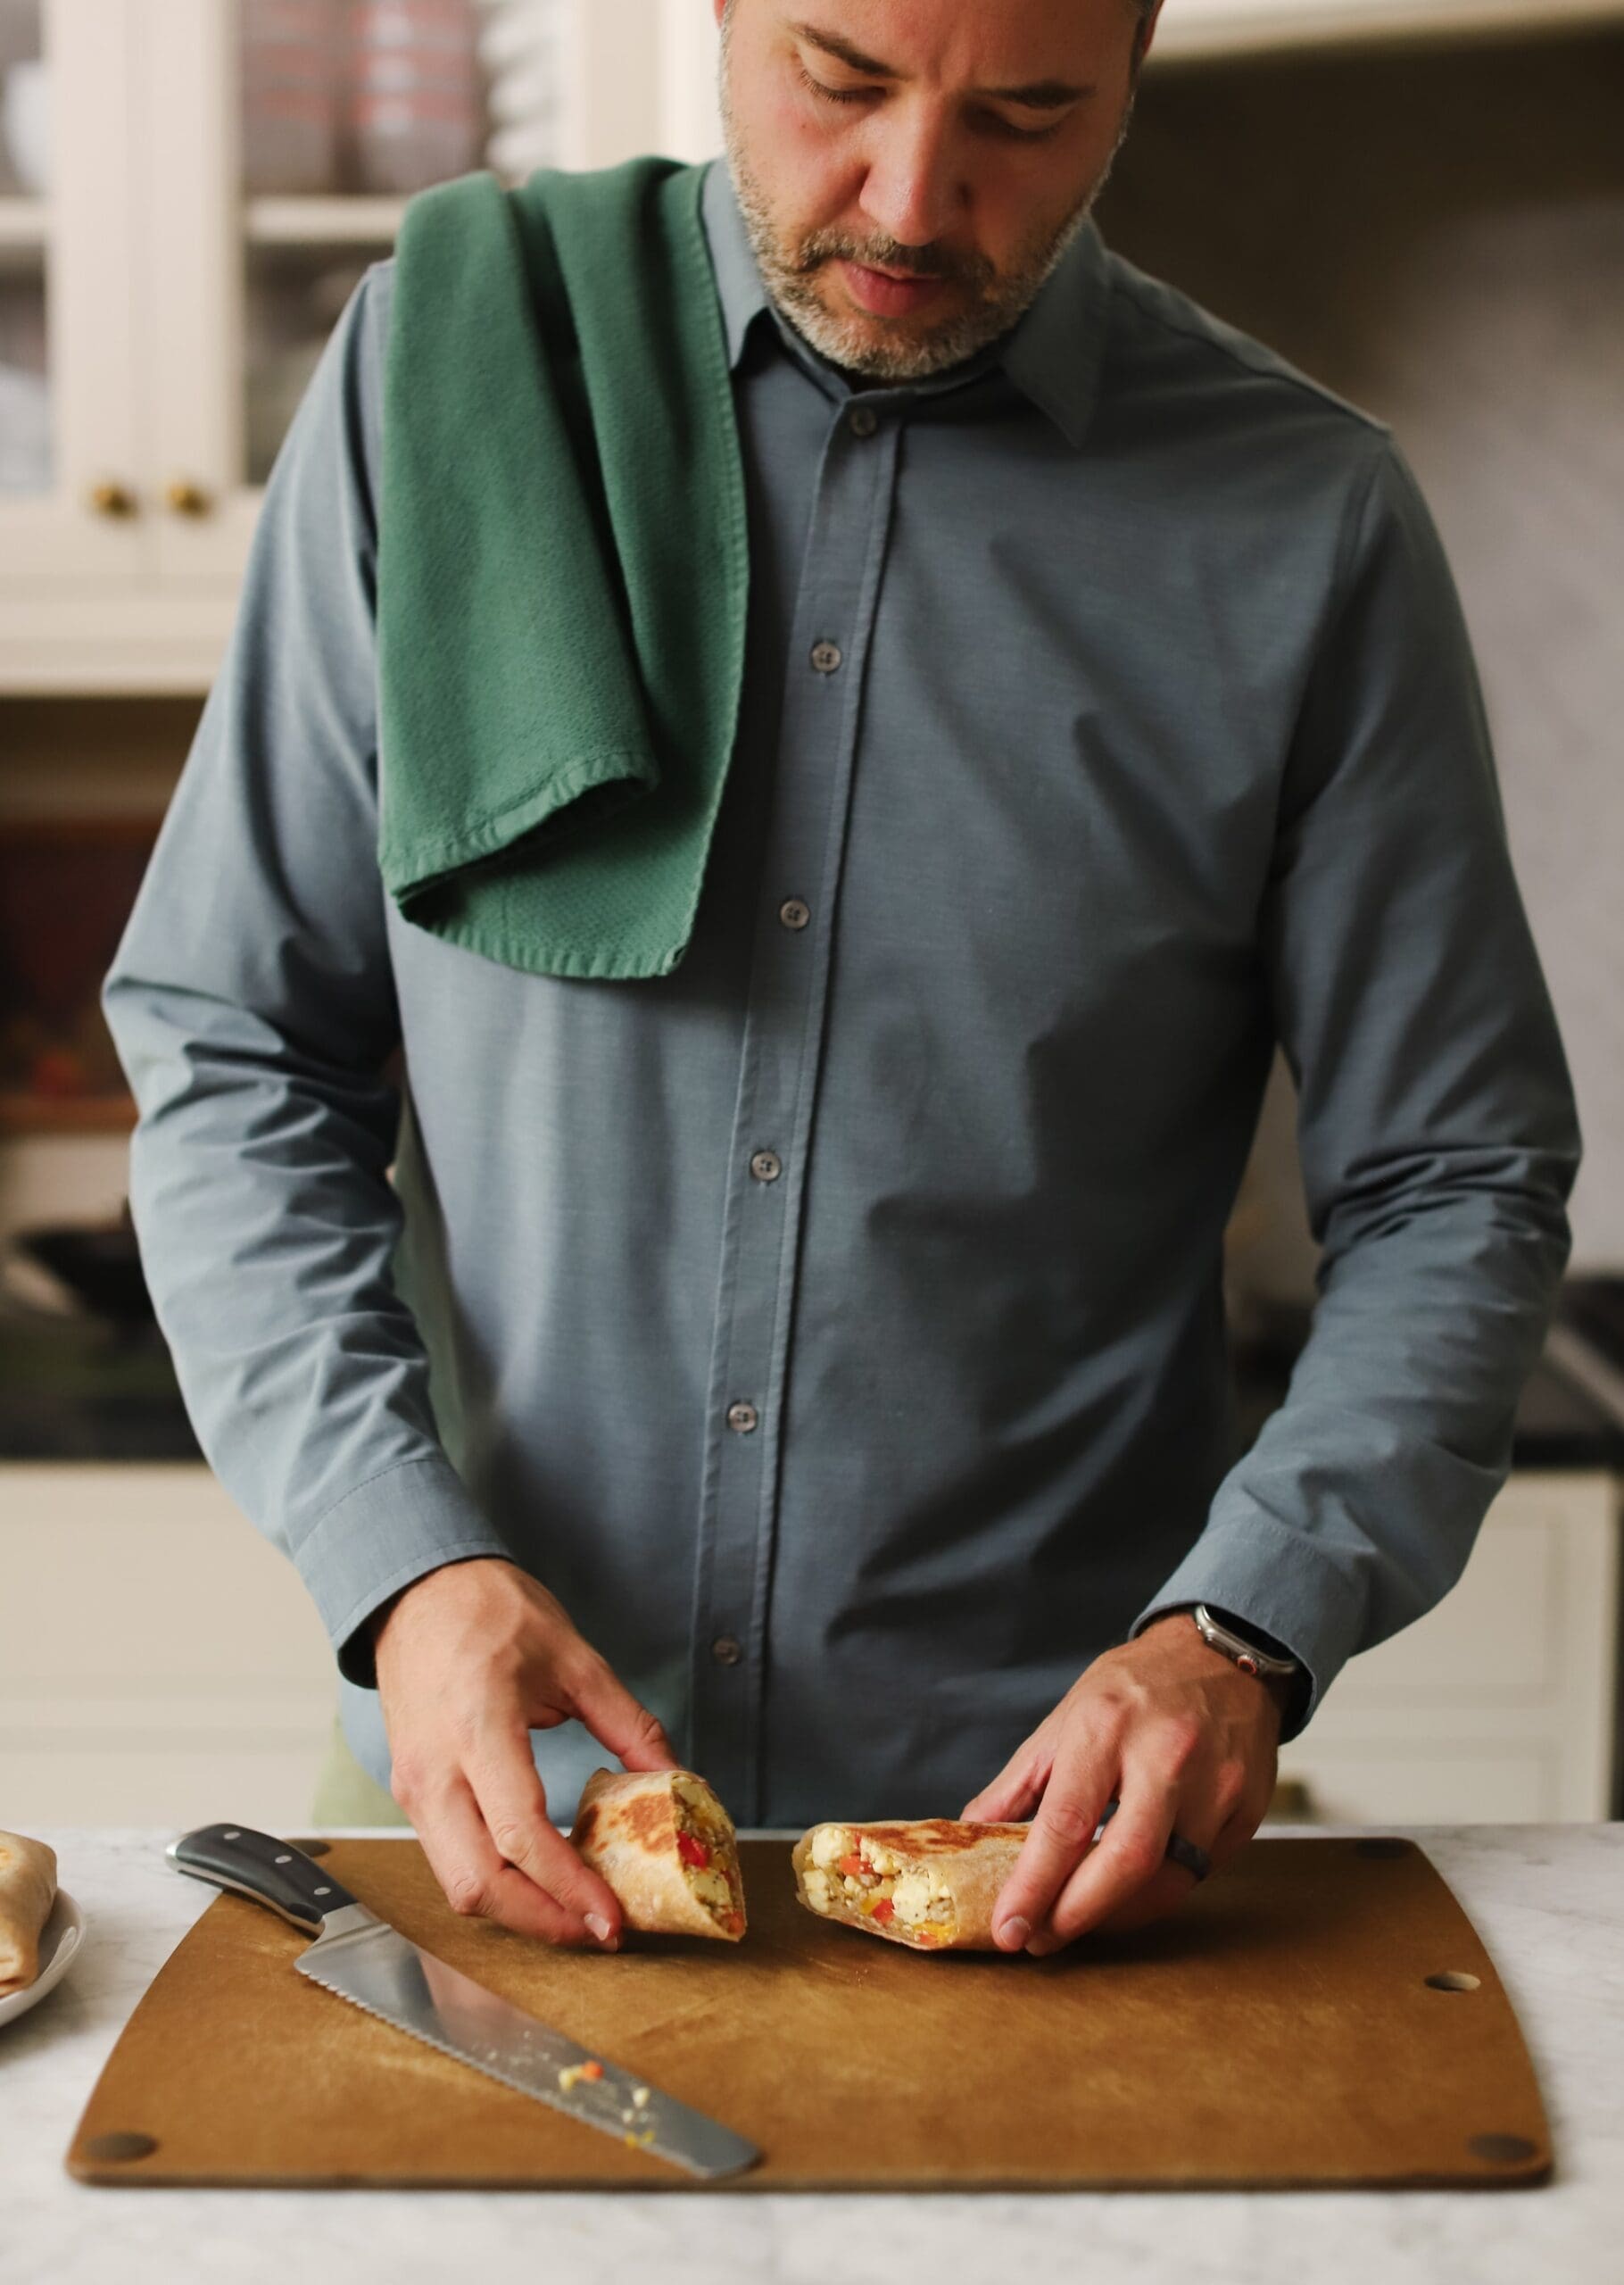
x: 801, y: 1351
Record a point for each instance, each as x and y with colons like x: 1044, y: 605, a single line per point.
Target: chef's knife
x: 364, y: 1960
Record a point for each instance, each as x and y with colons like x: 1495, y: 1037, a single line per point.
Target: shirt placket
x: 803, y: 851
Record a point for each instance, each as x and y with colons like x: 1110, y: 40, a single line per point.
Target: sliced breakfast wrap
x: 929, y: 1882
x: 28, y: 1890
x: 665, y: 1844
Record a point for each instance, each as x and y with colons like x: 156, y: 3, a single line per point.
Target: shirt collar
x: 1052, y: 354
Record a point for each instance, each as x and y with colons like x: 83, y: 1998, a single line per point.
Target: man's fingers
x: 1073, y: 1802
x: 1233, y: 1835
x: 512, y: 1801
x: 1174, y: 1883
x: 634, y: 1735
x: 1219, y: 1817
x: 1130, y: 1855
x: 464, y: 1861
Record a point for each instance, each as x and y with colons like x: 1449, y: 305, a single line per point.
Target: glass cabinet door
x: 70, y: 504
x: 26, y: 423
x: 345, y: 108
x: 306, y: 124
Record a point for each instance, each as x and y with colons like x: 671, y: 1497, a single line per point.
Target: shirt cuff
x: 392, y: 1529
x: 1280, y: 1582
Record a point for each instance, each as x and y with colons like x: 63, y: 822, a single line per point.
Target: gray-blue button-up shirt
x: 836, y: 1323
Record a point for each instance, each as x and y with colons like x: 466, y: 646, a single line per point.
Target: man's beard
x: 996, y: 301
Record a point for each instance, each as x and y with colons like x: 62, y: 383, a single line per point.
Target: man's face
x: 910, y: 171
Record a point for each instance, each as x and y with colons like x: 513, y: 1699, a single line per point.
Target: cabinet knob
x: 187, y: 499
x: 113, y: 500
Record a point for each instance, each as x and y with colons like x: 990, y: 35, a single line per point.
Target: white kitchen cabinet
x: 1499, y: 1705
x: 164, y: 1665
x: 164, y: 283
x: 73, y: 255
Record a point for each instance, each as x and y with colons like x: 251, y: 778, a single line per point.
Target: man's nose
x: 912, y: 192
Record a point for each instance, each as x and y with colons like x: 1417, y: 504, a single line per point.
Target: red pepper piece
x: 885, y: 1909
x: 691, y: 1851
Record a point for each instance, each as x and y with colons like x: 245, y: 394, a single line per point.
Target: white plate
x: 61, y: 1941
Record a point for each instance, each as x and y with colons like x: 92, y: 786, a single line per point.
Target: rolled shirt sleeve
x: 253, y: 1006
x: 1437, y: 1128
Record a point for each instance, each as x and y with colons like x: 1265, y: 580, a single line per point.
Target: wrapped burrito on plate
x: 931, y: 1883
x: 666, y: 1845
x: 28, y: 1890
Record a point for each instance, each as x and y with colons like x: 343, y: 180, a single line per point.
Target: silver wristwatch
x: 1247, y: 1654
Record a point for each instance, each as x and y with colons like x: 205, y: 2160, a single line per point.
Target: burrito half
x: 28, y: 1890
x: 931, y: 1883
x: 666, y: 1845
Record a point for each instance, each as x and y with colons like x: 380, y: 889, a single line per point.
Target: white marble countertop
x: 1548, y: 1901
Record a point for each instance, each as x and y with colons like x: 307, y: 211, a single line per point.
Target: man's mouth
x: 885, y: 293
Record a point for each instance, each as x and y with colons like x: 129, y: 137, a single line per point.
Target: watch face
x: 1249, y: 1657
x: 1248, y: 1653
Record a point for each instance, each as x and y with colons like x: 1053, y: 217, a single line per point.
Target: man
x: 810, y: 1364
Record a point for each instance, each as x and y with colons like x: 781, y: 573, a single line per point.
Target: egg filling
x: 706, y: 1845
x: 853, y: 1877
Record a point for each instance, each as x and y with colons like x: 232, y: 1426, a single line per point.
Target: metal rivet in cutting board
x: 121, y: 2146
x: 282, y: 1860
x: 1502, y: 2149
x: 1453, y: 1979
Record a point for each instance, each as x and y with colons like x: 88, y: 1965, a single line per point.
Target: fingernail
x: 1014, y: 1932
x: 599, y: 1926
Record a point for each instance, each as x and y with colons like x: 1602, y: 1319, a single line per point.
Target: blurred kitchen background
x: 1420, y: 202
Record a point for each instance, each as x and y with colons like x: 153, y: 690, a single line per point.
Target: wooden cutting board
x: 1320, y: 2014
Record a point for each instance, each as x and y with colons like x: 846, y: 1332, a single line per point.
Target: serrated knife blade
x: 360, y: 1957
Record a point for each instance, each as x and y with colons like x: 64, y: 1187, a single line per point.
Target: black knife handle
x: 257, y: 1864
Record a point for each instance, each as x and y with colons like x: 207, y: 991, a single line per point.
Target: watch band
x: 1250, y: 1656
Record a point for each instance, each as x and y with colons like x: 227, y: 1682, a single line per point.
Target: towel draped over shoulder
x: 562, y: 567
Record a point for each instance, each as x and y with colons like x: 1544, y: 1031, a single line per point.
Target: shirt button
x: 767, y: 1166
x: 825, y: 657
x: 793, y: 913
x: 743, y: 1417
x: 727, y: 1650
x: 865, y: 420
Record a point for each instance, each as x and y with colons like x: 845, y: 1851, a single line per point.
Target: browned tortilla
x: 626, y: 1829
x: 28, y: 1890
x: 974, y: 1860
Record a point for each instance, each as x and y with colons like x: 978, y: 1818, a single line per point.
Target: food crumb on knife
x: 572, y: 2071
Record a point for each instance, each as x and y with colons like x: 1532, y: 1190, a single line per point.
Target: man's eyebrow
x: 1037, y: 94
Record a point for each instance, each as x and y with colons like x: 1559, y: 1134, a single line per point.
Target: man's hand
x: 470, y: 1659
x: 1181, y: 1737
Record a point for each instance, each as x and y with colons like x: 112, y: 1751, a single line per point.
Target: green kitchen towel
x: 562, y: 570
